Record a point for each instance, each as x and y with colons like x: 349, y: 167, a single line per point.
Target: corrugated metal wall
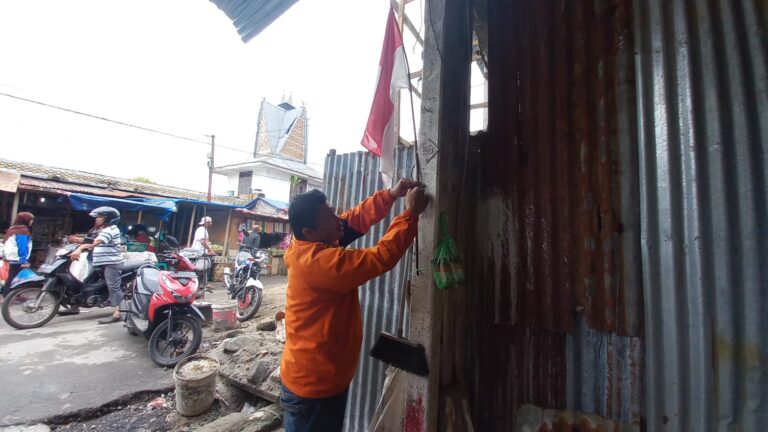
x: 350, y: 178
x: 703, y: 122
x: 554, y: 235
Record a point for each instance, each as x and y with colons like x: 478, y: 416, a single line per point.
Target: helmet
x: 111, y: 215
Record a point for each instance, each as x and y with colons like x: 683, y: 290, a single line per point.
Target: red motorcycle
x: 159, y: 306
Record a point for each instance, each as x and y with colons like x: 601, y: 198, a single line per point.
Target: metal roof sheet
x: 99, y: 184
x: 250, y: 17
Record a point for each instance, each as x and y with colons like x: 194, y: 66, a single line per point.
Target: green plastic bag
x: 447, y: 268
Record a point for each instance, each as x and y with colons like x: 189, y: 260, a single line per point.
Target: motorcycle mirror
x: 172, y: 242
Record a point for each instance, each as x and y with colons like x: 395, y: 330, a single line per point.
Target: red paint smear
x: 414, y: 415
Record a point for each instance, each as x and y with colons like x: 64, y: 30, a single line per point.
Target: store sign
x: 9, y: 181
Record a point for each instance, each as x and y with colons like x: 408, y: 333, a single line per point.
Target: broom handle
x: 401, y: 324
x: 415, y: 148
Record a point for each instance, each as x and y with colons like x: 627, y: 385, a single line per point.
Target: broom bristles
x: 401, y: 353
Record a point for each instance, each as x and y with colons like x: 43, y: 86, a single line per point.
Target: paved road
x: 73, y: 363
x: 70, y: 364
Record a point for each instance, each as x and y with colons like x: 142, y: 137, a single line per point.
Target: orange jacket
x: 322, y: 311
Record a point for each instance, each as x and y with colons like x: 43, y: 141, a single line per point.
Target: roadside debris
x: 158, y: 402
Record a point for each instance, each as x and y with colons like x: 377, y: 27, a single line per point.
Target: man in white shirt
x: 201, y: 243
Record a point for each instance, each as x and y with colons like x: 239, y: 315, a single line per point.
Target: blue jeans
x: 308, y: 415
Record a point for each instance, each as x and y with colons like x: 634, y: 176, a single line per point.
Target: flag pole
x: 400, y: 20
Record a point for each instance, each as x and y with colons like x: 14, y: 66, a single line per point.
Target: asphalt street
x: 70, y: 364
x: 73, y: 363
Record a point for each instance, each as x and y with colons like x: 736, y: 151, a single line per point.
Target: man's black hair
x: 303, y: 211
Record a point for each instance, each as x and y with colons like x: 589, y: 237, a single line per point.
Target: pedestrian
x: 200, y: 242
x: 202, y: 245
x: 17, y: 248
x: 254, y: 238
x: 322, y: 310
x: 107, y: 255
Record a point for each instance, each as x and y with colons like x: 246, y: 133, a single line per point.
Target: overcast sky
x: 179, y: 66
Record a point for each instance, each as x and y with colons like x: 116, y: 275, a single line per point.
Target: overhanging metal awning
x: 250, y: 17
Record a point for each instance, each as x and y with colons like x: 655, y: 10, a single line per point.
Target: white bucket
x: 195, y: 379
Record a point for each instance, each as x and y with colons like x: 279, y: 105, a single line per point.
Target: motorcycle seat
x: 133, y: 265
x: 150, y: 279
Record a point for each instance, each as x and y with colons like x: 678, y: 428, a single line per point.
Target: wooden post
x: 139, y: 218
x: 226, y: 236
x: 15, y: 206
x: 443, y: 134
x: 191, y: 226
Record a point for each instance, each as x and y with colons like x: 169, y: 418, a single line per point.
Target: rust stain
x: 546, y: 237
x: 414, y: 415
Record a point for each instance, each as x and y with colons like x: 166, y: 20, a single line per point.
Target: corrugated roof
x: 349, y: 179
x: 291, y: 166
x: 703, y: 131
x: 277, y: 205
x: 53, y: 178
x: 275, y: 216
x: 251, y: 17
x: 32, y: 183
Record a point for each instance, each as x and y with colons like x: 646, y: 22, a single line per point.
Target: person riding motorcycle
x: 107, y: 255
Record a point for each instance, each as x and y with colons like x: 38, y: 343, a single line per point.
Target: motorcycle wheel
x: 248, y: 304
x: 186, y: 336
x: 19, y: 307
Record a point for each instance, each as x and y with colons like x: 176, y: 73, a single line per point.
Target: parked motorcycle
x: 244, y: 284
x: 174, y: 261
x: 159, y: 306
x: 34, y: 301
x: 202, y: 264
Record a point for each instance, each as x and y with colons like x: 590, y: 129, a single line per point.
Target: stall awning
x: 174, y: 202
x: 83, y: 202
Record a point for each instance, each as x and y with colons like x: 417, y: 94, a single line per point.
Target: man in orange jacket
x: 322, y: 311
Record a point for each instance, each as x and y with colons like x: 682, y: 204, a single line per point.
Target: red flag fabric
x: 379, y: 137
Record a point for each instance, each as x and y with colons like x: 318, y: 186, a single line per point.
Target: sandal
x: 109, y: 320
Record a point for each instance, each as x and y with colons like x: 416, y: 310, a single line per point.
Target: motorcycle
x: 159, y: 306
x: 34, y: 301
x: 170, y: 258
x: 244, y: 284
x: 201, y: 263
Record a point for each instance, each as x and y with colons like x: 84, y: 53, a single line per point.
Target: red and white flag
x: 380, y: 137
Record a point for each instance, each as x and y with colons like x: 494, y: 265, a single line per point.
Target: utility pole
x: 210, y: 164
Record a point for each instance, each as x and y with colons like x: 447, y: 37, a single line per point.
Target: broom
x: 399, y: 352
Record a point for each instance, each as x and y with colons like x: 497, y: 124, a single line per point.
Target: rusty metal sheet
x: 554, y: 232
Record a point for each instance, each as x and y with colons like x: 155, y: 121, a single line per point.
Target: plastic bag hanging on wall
x: 447, y: 267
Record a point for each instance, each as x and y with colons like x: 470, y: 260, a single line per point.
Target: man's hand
x: 403, y: 186
x: 416, y: 200
x: 26, y: 265
x: 74, y: 256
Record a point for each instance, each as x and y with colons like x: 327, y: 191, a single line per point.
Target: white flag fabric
x: 380, y: 137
